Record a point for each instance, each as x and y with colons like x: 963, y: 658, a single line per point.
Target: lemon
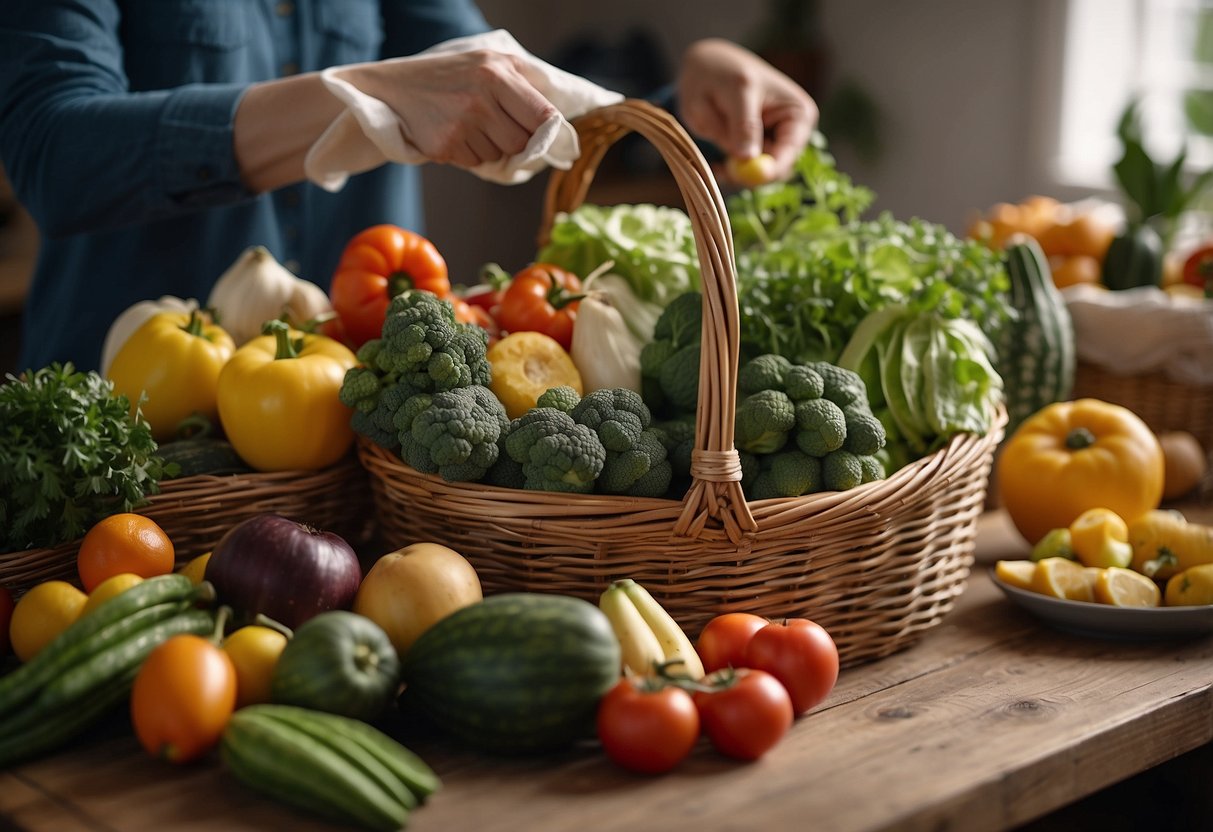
x: 109, y: 588
x: 1126, y: 588
x: 1061, y: 578
x: 195, y: 570
x: 1100, y: 537
x: 752, y: 172
x: 254, y: 651
x: 1192, y: 587
x: 1017, y: 573
x: 42, y: 614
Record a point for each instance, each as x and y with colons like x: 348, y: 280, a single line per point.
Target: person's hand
x: 463, y: 109
x: 743, y: 105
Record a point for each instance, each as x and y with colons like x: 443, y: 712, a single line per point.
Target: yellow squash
x: 278, y: 400
x: 1165, y: 544
x: 1072, y: 456
x: 175, y: 359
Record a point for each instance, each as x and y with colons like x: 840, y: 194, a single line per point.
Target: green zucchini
x: 516, y: 672
x: 203, y: 455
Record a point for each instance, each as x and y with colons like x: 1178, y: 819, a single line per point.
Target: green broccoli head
x: 865, y: 433
x: 360, y: 389
x: 562, y: 398
x: 379, y: 424
x: 821, y: 427
x: 802, y: 383
x: 794, y: 473
x: 678, y: 436
x: 363, y: 424
x: 640, y: 471
x: 872, y: 468
x: 679, y: 378
x: 506, y: 472
x: 842, y: 387
x: 841, y: 471
x: 766, y: 372
x: 416, y: 324
x: 763, y: 421
x: 617, y: 415
x: 471, y: 345
x: 453, y: 433
x: 556, y: 453
x: 681, y: 321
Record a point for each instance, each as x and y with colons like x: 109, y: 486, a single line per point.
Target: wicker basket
x: 876, y: 565
x: 196, y: 511
x: 1162, y: 403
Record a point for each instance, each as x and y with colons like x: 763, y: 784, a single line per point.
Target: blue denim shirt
x: 116, y: 131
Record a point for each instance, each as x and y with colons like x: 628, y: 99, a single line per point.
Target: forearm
x: 275, y: 125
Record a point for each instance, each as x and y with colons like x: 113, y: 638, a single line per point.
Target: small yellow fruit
x: 1100, y: 537
x: 108, y: 589
x: 752, y: 172
x: 254, y: 651
x: 1055, y: 544
x: 1017, y: 573
x: 1061, y: 578
x: 42, y: 614
x: 195, y: 570
x: 1192, y: 587
x: 1126, y: 588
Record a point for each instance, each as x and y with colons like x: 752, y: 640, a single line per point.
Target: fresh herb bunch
x: 809, y: 270
x: 70, y: 454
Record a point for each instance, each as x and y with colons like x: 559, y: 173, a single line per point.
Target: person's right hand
x: 464, y: 109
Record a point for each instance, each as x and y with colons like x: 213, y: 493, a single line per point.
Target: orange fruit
x: 1074, y: 269
x: 1126, y: 588
x: 123, y: 543
x: 42, y: 614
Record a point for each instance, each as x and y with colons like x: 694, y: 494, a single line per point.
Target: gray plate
x: 1103, y: 621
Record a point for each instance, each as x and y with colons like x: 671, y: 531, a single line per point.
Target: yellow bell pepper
x: 278, y: 400
x: 1072, y: 456
x: 175, y: 358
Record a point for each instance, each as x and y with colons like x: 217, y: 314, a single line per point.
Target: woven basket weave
x: 1162, y: 403
x: 876, y: 565
x: 196, y: 511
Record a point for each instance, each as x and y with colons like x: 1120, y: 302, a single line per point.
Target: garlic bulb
x: 134, y: 317
x: 257, y: 288
x: 605, y: 351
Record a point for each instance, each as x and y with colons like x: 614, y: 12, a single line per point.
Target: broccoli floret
x: 416, y: 324
x: 865, y: 433
x: 766, y: 372
x: 763, y: 487
x: 802, y: 383
x: 640, y: 471
x: 841, y: 471
x: 562, y: 398
x: 763, y: 421
x: 453, y: 433
x: 362, y: 424
x: 821, y: 427
x: 678, y: 435
x: 617, y: 415
x: 471, y: 343
x: 842, y: 387
x: 681, y: 321
x: 794, y: 473
x: 360, y: 389
x: 872, y: 469
x: 556, y: 453
x: 679, y: 378
x: 505, y: 473
x: 751, y: 466
x: 653, y: 355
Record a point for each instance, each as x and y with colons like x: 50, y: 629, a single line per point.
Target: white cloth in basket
x: 370, y: 133
x: 1143, y: 330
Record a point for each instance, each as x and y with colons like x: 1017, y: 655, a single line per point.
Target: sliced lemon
x: 1092, y: 574
x: 1061, y: 578
x: 1100, y: 537
x: 1126, y: 588
x: 1017, y: 573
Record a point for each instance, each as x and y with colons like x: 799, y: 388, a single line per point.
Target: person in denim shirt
x: 153, y: 141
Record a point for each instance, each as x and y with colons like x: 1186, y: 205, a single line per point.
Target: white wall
x: 964, y: 87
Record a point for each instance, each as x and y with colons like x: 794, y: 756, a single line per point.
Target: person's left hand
x: 743, y: 105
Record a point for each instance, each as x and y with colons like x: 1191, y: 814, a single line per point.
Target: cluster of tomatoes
x: 382, y: 261
x: 761, y: 675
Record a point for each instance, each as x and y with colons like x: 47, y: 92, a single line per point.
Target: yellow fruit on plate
x: 1192, y: 587
x: 1017, y: 573
x: 1061, y: 578
x: 525, y: 366
x: 1126, y: 588
x: 108, y: 589
x: 195, y: 570
x: 42, y: 614
x: 1100, y: 537
x: 254, y: 651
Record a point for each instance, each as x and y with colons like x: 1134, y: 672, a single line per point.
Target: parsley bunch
x: 70, y: 454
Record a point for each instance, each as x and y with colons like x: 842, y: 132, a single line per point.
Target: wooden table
x: 990, y: 721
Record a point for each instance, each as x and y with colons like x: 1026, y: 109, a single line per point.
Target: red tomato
x: 542, y: 298
x: 486, y: 297
x: 376, y: 265
x: 467, y: 313
x: 647, y: 727
x: 1198, y: 268
x: 723, y: 641
x: 182, y: 698
x: 801, y: 655
x: 6, y: 615
x: 746, y: 713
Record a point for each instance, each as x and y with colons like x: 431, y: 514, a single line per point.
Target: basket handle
x: 715, y: 491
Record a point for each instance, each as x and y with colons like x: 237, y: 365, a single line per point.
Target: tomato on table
x: 744, y: 712
x: 376, y: 265
x: 801, y: 655
x: 646, y: 725
x: 723, y: 640
x: 542, y: 298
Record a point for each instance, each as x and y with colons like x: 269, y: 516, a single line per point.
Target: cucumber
x: 1036, y: 353
x: 203, y: 455
x: 516, y: 672
x: 1133, y: 259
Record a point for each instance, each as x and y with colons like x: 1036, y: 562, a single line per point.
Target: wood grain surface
x: 990, y: 721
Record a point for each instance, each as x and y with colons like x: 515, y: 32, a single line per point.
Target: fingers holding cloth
x: 481, y: 102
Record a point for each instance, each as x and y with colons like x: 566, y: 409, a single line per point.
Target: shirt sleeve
x: 84, y: 153
x: 411, y: 26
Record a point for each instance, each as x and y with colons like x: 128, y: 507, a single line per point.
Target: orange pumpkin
x: 1072, y: 456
